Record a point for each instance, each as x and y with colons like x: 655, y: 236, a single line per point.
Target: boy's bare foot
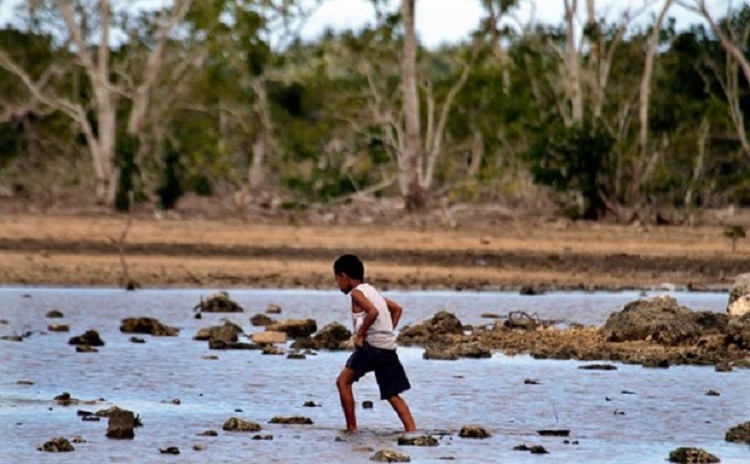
x: 350, y: 431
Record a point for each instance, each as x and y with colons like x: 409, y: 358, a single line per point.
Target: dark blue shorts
x: 389, y: 373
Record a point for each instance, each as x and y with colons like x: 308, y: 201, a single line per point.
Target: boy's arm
x: 361, y: 301
x: 395, y: 310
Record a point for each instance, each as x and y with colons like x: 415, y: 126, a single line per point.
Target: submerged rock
x: 333, y: 336
x: 90, y: 338
x: 294, y: 420
x: 692, y: 456
x: 295, y: 328
x: 234, y: 424
x: 55, y: 314
x: 218, y: 303
x: 422, y: 440
x: 261, y: 320
x: 147, y: 325
x: 442, y: 324
x: 57, y: 445
x: 387, y: 455
x: 229, y: 332
x: 739, y: 433
x: 473, y: 431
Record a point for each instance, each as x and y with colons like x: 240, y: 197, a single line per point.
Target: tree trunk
x: 260, y: 146
x: 573, y: 83
x: 415, y: 195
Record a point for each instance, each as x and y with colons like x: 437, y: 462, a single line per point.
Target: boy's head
x: 349, y: 271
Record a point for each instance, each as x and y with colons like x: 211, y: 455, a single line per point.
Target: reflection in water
x: 668, y: 408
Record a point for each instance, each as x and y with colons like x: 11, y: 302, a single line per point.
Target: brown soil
x: 283, y: 252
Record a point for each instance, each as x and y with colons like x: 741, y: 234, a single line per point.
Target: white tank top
x: 380, y: 334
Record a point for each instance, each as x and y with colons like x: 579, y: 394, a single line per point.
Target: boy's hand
x: 359, y: 341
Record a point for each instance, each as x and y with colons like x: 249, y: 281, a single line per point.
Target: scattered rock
x: 295, y: 328
x: 86, y: 349
x: 473, y: 351
x: 83, y: 413
x: 55, y: 314
x: 229, y: 332
x: 598, y: 367
x: 170, y: 450
x: 723, y: 367
x: 473, y: 431
x: 538, y: 449
x: 261, y: 320
x: 386, y: 455
x: 367, y: 404
x: 218, y: 303
x: 199, y: 447
x: 147, y: 325
x: 739, y: 433
x: 234, y: 424
x: 268, y: 337
x: 712, y: 393
x: 442, y: 323
x: 57, y: 445
x: 296, y: 355
x: 58, y: 328
x: 107, y: 412
x: 90, y: 419
x: 90, y: 338
x: 738, y: 331
x: 273, y: 309
x: 311, y: 404
x: 440, y: 352
x: 333, y: 336
x: 656, y: 363
x: 78, y: 439
x: 272, y: 350
x: 12, y: 338
x: 530, y: 290
x: 121, y: 424
x: 137, y: 340
x: 554, y: 432
x: 422, y: 440
x: 25, y: 382
x: 659, y: 319
x: 531, y: 382
x: 262, y: 437
x: 294, y: 420
x: 209, y: 433
x: 692, y: 456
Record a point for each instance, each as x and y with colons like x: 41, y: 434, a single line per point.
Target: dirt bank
x: 281, y: 253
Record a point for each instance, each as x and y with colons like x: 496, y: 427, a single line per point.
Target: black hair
x: 350, y: 265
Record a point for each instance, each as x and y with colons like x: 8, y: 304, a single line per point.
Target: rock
x: 442, y: 323
x: 55, y: 314
x: 473, y: 350
x: 692, y: 456
x: 739, y: 300
x: 294, y: 420
x: 57, y: 445
x: 209, y: 433
x: 64, y: 399
x: 712, y: 323
x: 311, y: 404
x: 440, y: 352
x: 86, y: 349
x: 108, y: 412
x: 304, y: 343
x: 367, y: 404
x: 386, y: 455
x: 262, y: 437
x: 121, y: 424
x: 295, y: 328
x: 538, y: 449
x: 272, y: 350
x: 738, y: 332
x: 659, y: 319
x: 90, y: 338
x: 137, y: 340
x: 170, y: 450
x: 473, y: 431
x: 78, y: 439
x: 90, y: 419
x: 218, y: 303
x: 713, y: 393
x: 228, y: 332
x: 723, y: 367
x: 422, y: 440
x: 58, y: 328
x: 296, y: 355
x: 147, y: 325
x: 199, y: 447
x: 273, y: 309
x: 221, y: 345
x: 554, y: 432
x: 234, y: 424
x: 598, y: 367
x: 531, y: 290
x: 261, y: 320
x: 12, y: 338
x: 268, y: 337
x: 739, y: 433
x: 333, y: 336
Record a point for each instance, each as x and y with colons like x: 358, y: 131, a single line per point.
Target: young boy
x: 374, y: 318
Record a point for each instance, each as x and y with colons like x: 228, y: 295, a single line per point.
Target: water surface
x: 663, y: 409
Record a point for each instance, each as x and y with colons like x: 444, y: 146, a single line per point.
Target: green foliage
x: 574, y: 159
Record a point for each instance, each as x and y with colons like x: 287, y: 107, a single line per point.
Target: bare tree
x: 88, y: 28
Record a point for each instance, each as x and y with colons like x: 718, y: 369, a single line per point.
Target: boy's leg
x: 344, y: 384
x: 402, y: 409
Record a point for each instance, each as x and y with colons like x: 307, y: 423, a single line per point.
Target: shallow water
x: 668, y: 407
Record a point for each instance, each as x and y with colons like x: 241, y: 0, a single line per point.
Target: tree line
x: 618, y: 117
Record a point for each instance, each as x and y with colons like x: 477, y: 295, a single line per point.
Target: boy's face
x: 342, y: 280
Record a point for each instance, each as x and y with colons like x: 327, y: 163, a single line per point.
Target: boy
x: 374, y: 319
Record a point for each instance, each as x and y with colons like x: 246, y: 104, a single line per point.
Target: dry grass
x: 72, y: 268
